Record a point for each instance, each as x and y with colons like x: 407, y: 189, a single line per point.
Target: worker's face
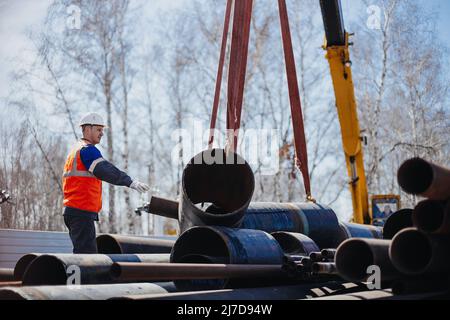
x: 93, y: 133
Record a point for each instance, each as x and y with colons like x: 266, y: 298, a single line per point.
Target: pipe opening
x: 411, y: 252
x: 106, y: 244
x: 396, y: 222
x: 192, y: 242
x: 288, y: 243
x: 415, y: 176
x: 226, y: 181
x: 352, y: 259
x: 22, y: 265
x: 428, y: 215
x: 45, y: 270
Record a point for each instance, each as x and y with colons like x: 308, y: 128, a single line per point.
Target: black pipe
x: 119, y: 244
x: 414, y: 252
x: 295, y: 243
x: 23, y: 263
x: 421, y: 177
x: 316, y: 221
x: 432, y: 216
x: 354, y: 256
x: 329, y: 254
x: 238, y: 246
x: 52, y: 269
x: 214, y: 177
x: 396, y: 222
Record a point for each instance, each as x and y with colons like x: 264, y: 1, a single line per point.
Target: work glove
x: 139, y: 186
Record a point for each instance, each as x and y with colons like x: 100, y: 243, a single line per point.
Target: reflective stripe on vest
x: 74, y: 172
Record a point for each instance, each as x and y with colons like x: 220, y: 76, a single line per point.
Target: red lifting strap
x: 226, y: 24
x: 301, y: 156
x: 236, y: 81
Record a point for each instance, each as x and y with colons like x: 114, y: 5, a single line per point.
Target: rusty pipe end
x: 415, y: 176
x: 224, y: 180
x: 107, y: 244
x: 45, y: 270
x: 396, y: 222
x: 429, y: 215
x: 22, y: 264
x: 411, y: 251
x: 352, y: 258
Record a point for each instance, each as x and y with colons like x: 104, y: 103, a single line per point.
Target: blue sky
x: 16, y: 16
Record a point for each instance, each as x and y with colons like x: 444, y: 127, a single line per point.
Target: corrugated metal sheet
x: 16, y: 243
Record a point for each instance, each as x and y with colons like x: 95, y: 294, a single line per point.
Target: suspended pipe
x: 84, y: 292
x: 290, y: 292
x: 396, y: 222
x: 118, y: 244
x: 420, y: 177
x: 53, y: 269
x: 238, y: 246
x: 354, y: 256
x: 432, y: 216
x: 215, y: 177
x: 129, y: 271
x: 295, y: 243
x: 414, y: 252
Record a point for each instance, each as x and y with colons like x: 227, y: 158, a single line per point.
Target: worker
x: 84, y: 171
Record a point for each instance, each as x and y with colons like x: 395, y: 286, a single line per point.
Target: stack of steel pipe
x: 423, y: 251
x: 59, y: 269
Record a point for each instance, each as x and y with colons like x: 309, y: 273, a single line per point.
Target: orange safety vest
x: 82, y: 190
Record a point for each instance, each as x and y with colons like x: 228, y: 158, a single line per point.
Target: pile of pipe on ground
x: 414, y: 257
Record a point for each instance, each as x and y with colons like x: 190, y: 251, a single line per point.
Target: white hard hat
x: 92, y: 118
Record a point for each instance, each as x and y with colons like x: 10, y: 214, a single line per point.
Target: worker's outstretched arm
x: 106, y: 171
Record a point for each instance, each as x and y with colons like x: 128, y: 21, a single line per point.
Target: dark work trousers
x: 82, y: 233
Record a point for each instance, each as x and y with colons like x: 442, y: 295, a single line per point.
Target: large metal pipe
x: 432, y: 216
x: 421, y: 177
x: 288, y: 292
x: 238, y: 246
x: 396, y: 222
x: 218, y: 178
x: 350, y: 230
x: 316, y: 221
x: 294, y: 243
x: 84, y: 292
x: 23, y: 263
x: 6, y: 274
x: 118, y: 244
x: 414, y: 252
x: 129, y: 271
x: 354, y: 256
x: 52, y: 269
